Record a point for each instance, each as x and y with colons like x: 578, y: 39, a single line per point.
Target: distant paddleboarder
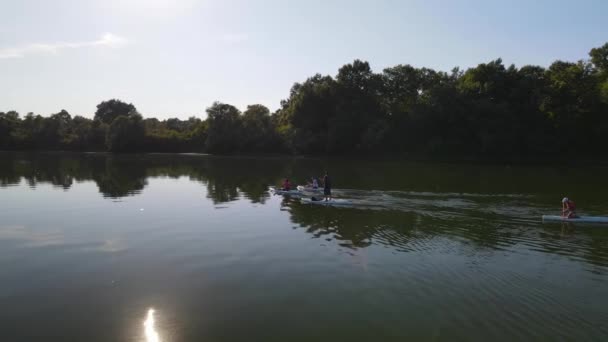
x: 315, y: 183
x: 568, y: 208
x: 327, y: 187
x: 286, y: 185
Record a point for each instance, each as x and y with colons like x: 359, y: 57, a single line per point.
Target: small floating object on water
x: 579, y: 219
x: 142, y: 209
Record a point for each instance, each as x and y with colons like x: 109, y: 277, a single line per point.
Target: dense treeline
x: 487, y: 111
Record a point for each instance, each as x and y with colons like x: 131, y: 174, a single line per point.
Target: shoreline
x: 528, y: 160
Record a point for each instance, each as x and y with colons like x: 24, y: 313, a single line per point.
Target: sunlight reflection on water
x: 149, y: 327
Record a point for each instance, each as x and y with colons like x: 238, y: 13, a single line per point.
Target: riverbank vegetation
x: 491, y: 110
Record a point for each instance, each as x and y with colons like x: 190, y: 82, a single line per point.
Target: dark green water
x: 90, y: 244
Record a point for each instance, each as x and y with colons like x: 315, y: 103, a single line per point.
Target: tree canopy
x: 109, y: 110
x: 492, y: 110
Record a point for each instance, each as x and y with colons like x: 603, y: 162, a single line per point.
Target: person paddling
x: 327, y: 187
x: 286, y: 185
x: 568, y: 208
x: 315, y: 183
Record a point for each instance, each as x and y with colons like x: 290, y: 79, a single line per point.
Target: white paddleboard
x: 333, y: 201
x: 309, y: 189
x: 580, y: 219
x: 292, y: 192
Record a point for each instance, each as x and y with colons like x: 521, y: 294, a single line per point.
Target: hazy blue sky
x: 175, y: 57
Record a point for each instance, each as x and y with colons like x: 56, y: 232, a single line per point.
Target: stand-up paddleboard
x: 287, y: 193
x: 309, y: 189
x: 580, y: 219
x: 333, y: 201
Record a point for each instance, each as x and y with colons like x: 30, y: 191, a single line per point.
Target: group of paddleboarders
x: 568, y: 205
x: 314, y: 184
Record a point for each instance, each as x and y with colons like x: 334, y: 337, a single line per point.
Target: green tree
x: 125, y: 133
x: 259, y: 132
x: 109, y: 110
x: 9, y: 123
x: 358, y: 108
x: 303, y: 118
x: 599, y: 57
x: 224, y: 128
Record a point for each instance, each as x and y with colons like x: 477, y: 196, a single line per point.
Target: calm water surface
x: 194, y: 248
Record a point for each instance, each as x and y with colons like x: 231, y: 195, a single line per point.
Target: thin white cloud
x: 234, y: 38
x: 107, y: 40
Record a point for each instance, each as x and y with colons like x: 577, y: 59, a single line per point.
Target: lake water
x: 96, y: 247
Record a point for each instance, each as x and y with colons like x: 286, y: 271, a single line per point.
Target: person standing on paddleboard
x: 568, y: 208
x: 327, y: 187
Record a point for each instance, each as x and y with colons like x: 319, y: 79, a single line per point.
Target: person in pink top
x: 286, y: 185
x: 568, y: 208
